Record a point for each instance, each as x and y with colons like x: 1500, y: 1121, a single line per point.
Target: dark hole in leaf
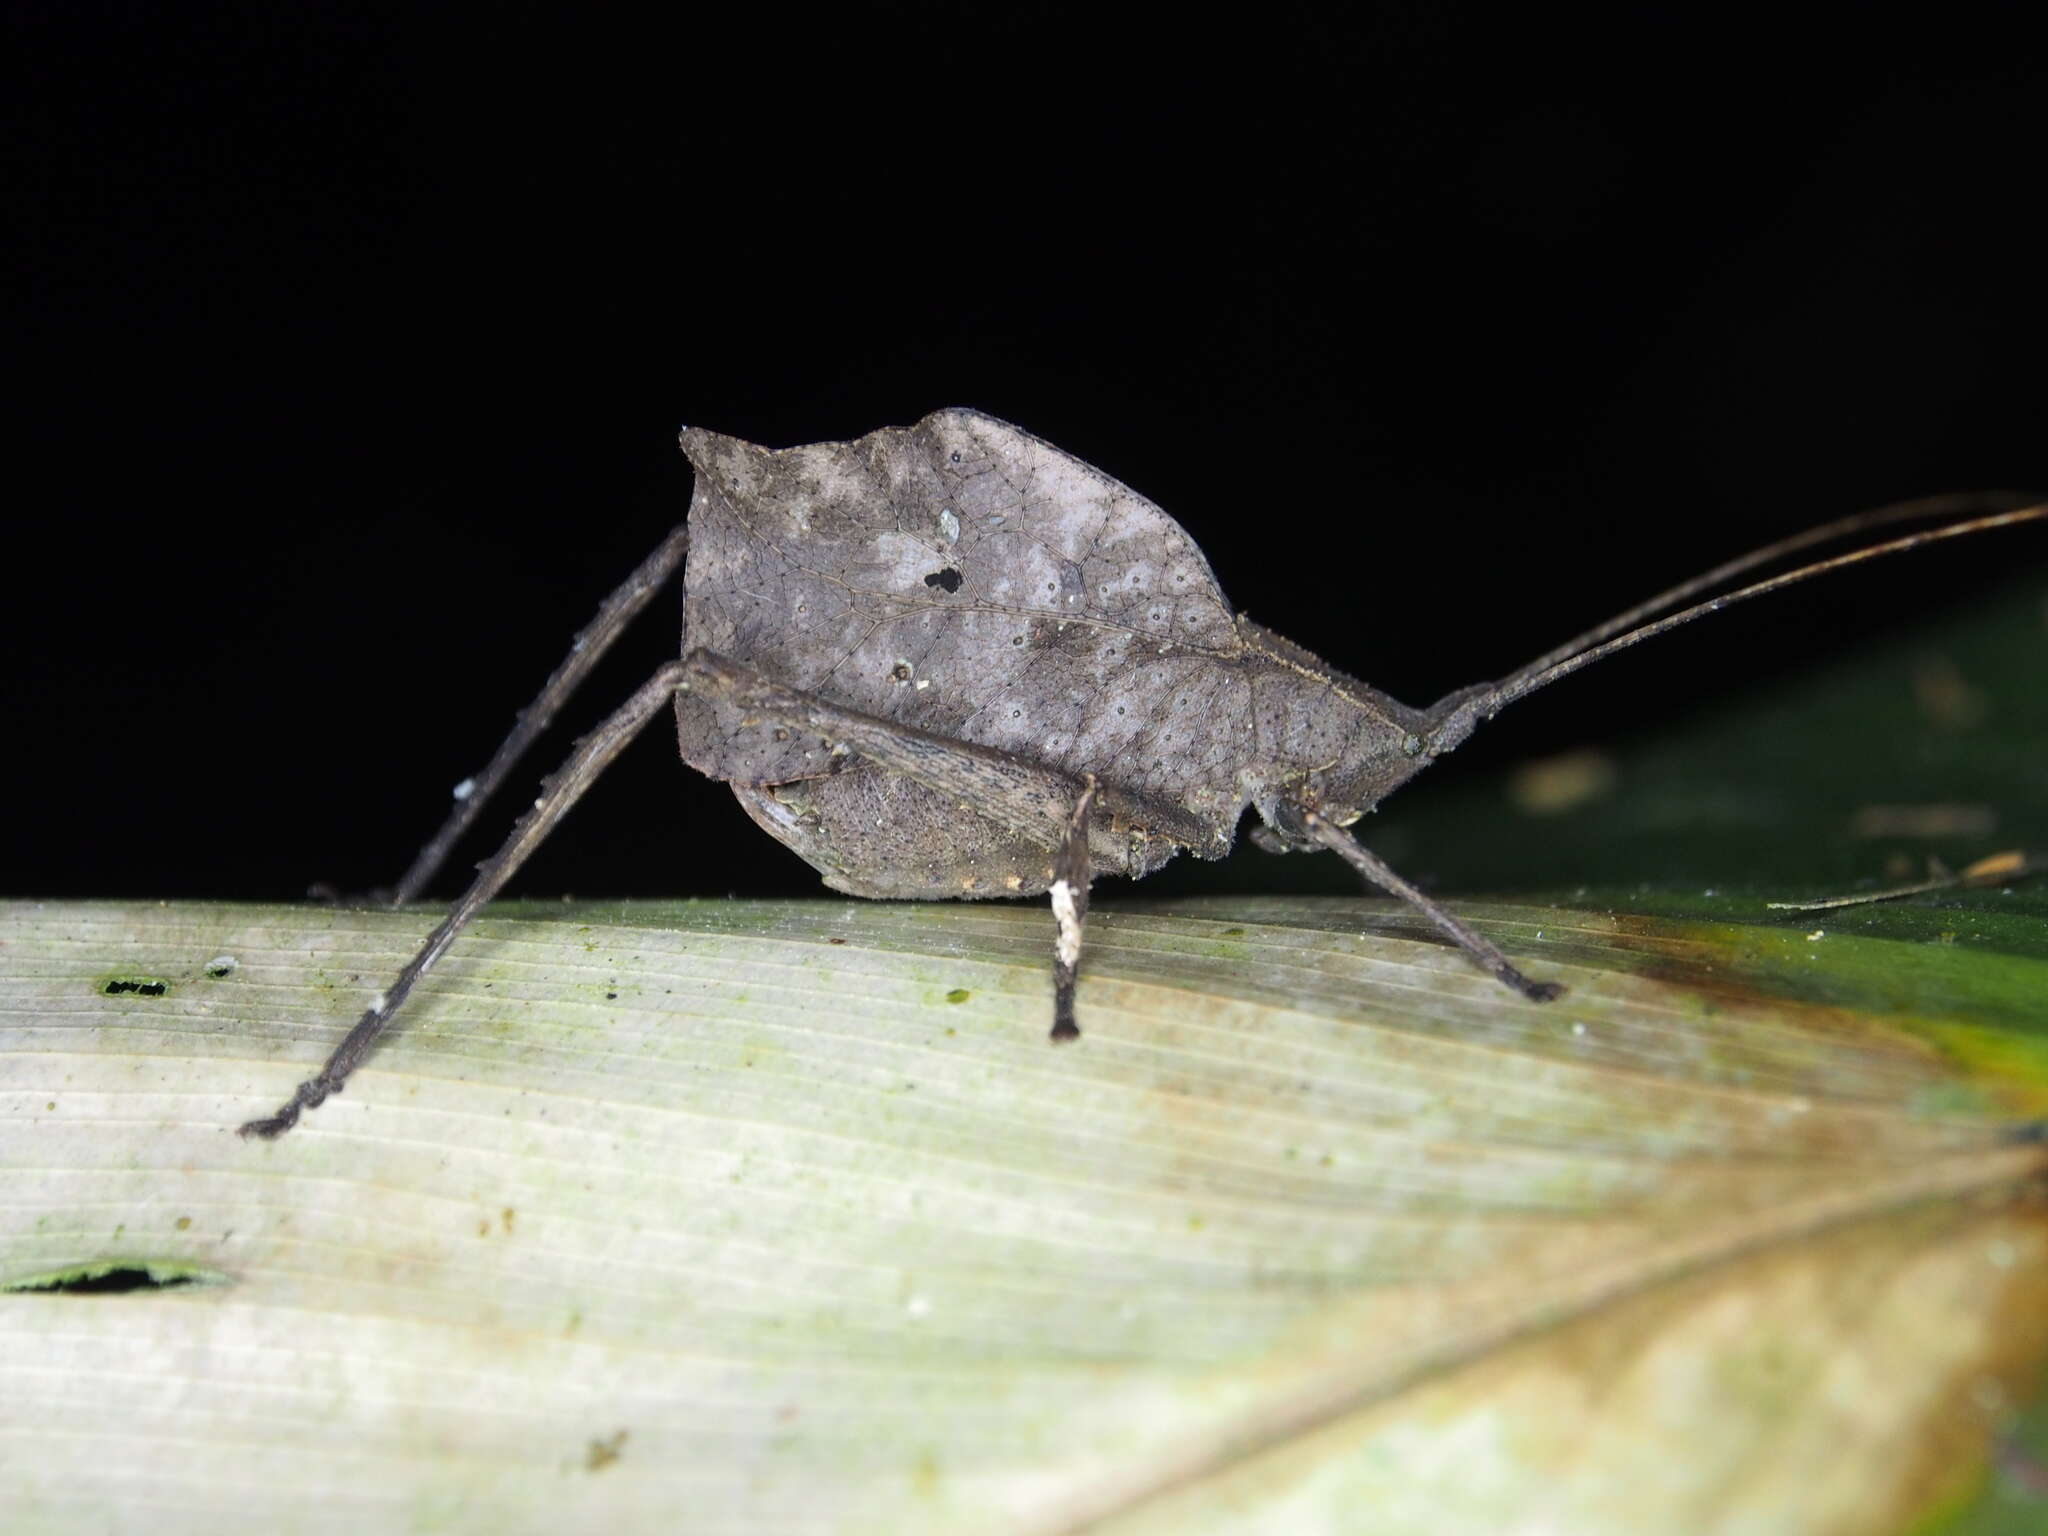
x: 142, y: 988
x: 948, y: 578
x: 113, y: 1280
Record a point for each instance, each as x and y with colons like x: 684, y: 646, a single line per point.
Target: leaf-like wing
x: 962, y: 576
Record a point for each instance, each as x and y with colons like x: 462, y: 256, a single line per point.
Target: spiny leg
x: 592, y: 755
x: 591, y: 642
x: 1483, y: 951
x: 1071, y: 872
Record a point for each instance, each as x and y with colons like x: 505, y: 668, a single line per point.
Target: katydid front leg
x: 1483, y: 951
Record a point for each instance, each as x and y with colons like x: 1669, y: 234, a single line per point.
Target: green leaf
x: 743, y: 1216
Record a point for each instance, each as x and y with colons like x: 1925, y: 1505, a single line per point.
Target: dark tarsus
x: 948, y: 660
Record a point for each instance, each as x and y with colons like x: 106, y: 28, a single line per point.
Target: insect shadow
x: 949, y: 660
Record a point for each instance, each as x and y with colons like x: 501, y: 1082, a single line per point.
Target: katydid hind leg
x: 590, y: 644
x: 1054, y: 809
x: 592, y: 755
x: 1482, y: 951
x: 1004, y: 788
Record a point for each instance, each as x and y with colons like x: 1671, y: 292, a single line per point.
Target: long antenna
x: 1976, y: 503
x: 1596, y: 644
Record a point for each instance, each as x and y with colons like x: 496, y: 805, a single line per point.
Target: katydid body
x: 949, y: 660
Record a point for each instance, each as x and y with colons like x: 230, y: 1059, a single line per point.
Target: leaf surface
x: 786, y: 1216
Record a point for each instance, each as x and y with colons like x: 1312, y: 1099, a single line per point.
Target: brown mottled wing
x: 962, y: 576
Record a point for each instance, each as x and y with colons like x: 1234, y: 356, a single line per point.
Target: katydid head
x: 1391, y: 743
x: 1451, y: 719
x: 1382, y: 745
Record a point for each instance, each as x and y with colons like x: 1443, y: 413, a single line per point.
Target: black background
x: 353, y: 343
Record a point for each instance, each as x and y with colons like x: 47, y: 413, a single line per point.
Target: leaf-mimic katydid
x: 949, y: 660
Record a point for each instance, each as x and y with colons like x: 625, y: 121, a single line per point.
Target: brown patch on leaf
x: 1551, y: 786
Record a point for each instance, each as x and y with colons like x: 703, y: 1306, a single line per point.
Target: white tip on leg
x: 1068, y: 916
